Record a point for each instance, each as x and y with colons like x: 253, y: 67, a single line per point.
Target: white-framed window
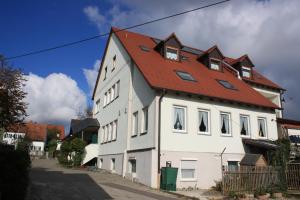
x: 215, y: 65
x: 100, y: 162
x: 135, y: 123
x: 179, y: 119
x: 145, y: 120
x: 117, y: 89
x: 204, y: 122
x: 115, y: 128
x: 97, y: 106
x: 225, y: 124
x: 106, y: 133
x: 109, y: 132
x: 108, y: 96
x: 105, y: 99
x: 132, y: 165
x: 113, y: 164
x: 233, y: 165
x: 105, y: 73
x: 114, y: 63
x: 188, y: 169
x: 171, y: 53
x: 103, y: 134
x: 246, y: 72
x: 112, y: 93
x: 262, y: 127
x: 245, y: 125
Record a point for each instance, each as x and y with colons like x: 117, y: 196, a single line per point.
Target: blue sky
x: 59, y: 82
x: 32, y: 25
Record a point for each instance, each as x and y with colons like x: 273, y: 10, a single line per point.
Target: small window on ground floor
x: 132, y: 164
x: 100, y: 163
x: 188, y: 169
x: 113, y: 164
x: 233, y: 165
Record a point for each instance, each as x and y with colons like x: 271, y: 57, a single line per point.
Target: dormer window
x: 171, y: 53
x: 246, y: 72
x: 215, y: 65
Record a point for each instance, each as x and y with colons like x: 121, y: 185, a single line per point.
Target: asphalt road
x: 50, y: 181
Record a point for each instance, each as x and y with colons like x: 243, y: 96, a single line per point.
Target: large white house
x: 161, y: 103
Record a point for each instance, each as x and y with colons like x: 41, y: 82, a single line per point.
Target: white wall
x: 273, y: 96
x: 142, y: 96
x: 191, y: 141
x: 208, y: 167
x: 118, y: 109
x: 38, y: 145
x: 293, y: 132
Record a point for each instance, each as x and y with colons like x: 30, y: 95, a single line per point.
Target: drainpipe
x: 159, y: 129
x: 236, y: 71
x: 222, y: 169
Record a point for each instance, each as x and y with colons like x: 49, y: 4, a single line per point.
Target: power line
x: 107, y: 33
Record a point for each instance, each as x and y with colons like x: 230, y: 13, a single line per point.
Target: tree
x: 87, y: 113
x: 12, y: 105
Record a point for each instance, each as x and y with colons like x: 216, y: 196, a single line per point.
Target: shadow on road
x: 56, y: 185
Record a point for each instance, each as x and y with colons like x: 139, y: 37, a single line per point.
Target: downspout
x: 237, y: 72
x: 159, y: 129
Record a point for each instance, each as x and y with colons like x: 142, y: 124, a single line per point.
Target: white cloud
x: 53, y: 99
x: 92, y: 12
x: 91, y: 75
x: 268, y: 31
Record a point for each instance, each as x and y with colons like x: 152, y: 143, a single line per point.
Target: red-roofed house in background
x: 161, y: 103
x: 36, y: 132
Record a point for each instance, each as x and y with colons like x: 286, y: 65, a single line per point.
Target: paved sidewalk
x: 50, y: 181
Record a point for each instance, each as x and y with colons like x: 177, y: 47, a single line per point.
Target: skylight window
x: 172, y: 53
x: 185, y: 76
x: 144, y: 48
x: 226, y: 84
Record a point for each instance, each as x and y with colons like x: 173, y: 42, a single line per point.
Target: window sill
x: 179, y: 131
x: 188, y: 180
x: 204, y: 133
x: 144, y: 133
x: 133, y: 136
x: 259, y: 137
x: 245, y: 136
x: 226, y: 135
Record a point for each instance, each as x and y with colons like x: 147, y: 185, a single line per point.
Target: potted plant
x: 242, y: 196
x: 277, y: 191
x: 261, y: 194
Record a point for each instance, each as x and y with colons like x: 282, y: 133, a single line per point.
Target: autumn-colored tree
x: 12, y: 105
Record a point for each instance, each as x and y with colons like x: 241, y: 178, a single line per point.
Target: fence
x: 248, y: 178
x: 293, y: 176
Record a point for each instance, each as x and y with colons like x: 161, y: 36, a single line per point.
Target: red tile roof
x: 36, y: 131
x: 160, y: 73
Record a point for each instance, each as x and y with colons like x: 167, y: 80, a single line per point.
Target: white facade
x: 37, y: 148
x: 134, y: 151
x: 11, y: 137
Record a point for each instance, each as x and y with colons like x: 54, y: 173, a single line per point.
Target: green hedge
x: 14, y: 172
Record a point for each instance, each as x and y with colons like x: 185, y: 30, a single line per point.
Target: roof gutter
x: 164, y: 92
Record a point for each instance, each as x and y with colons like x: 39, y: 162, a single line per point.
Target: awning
x: 250, y: 159
x: 265, y: 144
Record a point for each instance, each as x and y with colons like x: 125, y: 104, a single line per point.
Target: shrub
x: 260, y: 191
x: 74, y: 147
x: 14, y: 172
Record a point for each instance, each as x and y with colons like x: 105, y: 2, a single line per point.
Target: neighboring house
x: 36, y: 132
x: 87, y: 130
x: 162, y: 103
x: 290, y: 129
